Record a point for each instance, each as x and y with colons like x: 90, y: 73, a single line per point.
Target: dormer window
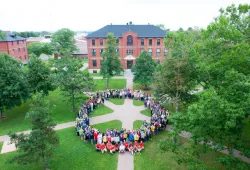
x: 129, y: 40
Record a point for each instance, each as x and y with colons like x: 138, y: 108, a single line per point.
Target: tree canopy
x: 39, y: 76
x: 110, y: 64
x: 38, y: 48
x: 38, y: 146
x: 221, y: 62
x: 144, y: 69
x: 13, y: 84
x: 63, y: 41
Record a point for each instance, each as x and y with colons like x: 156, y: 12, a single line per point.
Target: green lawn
x: 137, y: 124
x: 137, y: 86
x: 117, y: 101
x: 101, y: 110
x: 72, y: 154
x: 113, y: 84
x: 138, y: 103
x: 114, y: 124
x: 99, y: 75
x: 61, y: 111
x: 146, y: 112
x: 1, y: 145
x: 85, y: 61
x: 153, y: 158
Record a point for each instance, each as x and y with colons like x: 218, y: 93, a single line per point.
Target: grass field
x: 138, y: 103
x: 146, y: 112
x: 61, y: 111
x: 153, y: 158
x: 137, y: 124
x: 101, y: 110
x: 117, y: 101
x: 113, y: 84
x: 137, y: 86
x: 72, y: 154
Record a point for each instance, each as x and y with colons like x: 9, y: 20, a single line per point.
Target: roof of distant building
x: 143, y: 31
x: 11, y: 37
x: 82, y: 47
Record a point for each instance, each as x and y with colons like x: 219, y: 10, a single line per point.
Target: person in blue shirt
x: 131, y: 137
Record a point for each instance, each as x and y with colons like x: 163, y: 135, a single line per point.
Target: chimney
x: 148, y: 23
x: 127, y: 23
x: 110, y: 23
x: 130, y: 22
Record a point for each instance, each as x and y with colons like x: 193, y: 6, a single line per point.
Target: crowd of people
x: 114, y: 140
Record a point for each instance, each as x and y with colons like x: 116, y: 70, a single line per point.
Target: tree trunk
x: 177, y: 107
x: 107, y: 83
x: 1, y: 113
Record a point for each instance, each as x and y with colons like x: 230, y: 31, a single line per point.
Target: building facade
x: 131, y: 41
x: 15, y: 46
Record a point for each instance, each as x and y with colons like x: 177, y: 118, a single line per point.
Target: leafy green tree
x: 110, y: 64
x: 2, y: 34
x: 144, y: 69
x: 38, y: 146
x: 39, y: 76
x: 27, y: 34
x: 161, y: 26
x: 176, y: 78
x: 63, y: 41
x: 222, y: 64
x: 38, y: 48
x: 73, y: 82
x: 13, y: 84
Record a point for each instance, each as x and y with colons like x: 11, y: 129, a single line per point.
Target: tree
x: 176, y: 78
x: 13, y: 84
x: 39, y: 76
x: 2, y: 34
x: 38, y: 48
x: 221, y: 62
x: 73, y: 81
x: 63, y: 42
x: 144, y: 69
x: 161, y: 26
x: 27, y: 34
x: 110, y: 64
x: 38, y: 146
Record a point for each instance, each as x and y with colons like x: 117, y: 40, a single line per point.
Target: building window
x: 101, y: 51
x: 117, y: 50
x: 93, y: 42
x: 150, y: 42
x: 129, y: 51
x: 13, y: 51
x: 25, y: 57
x: 158, y: 41
x: 117, y: 41
x: 23, y: 41
x: 165, y: 52
x: 19, y: 50
x: 142, y: 42
x: 93, y: 52
x: 158, y: 52
x: 23, y: 48
x: 94, y: 63
x: 129, y: 40
x: 150, y: 51
x: 142, y: 49
x: 101, y: 42
x: 12, y: 42
x: 17, y: 42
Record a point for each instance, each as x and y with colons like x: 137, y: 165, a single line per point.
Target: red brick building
x: 131, y: 41
x: 15, y: 46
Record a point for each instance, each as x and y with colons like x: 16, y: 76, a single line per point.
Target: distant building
x: 45, y: 39
x: 15, y: 46
x: 131, y: 40
x: 81, y: 45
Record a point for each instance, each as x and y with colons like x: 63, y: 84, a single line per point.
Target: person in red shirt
x: 117, y: 147
x: 95, y: 136
x: 126, y: 145
x: 103, y: 147
x: 131, y: 148
x: 112, y: 149
x: 141, y: 144
x: 98, y: 147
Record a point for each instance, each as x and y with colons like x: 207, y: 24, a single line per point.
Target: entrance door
x: 129, y: 64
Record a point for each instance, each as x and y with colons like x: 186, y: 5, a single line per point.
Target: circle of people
x: 114, y: 140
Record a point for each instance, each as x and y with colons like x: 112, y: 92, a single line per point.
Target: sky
x: 91, y: 15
